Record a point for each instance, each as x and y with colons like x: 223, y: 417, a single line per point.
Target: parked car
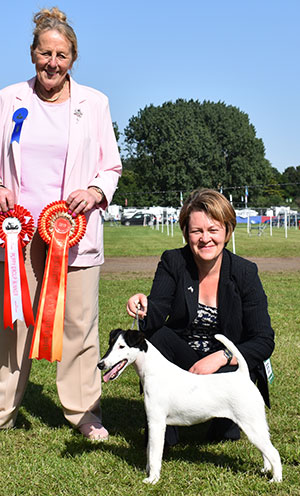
x: 138, y: 219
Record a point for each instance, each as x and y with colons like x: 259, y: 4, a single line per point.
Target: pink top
x: 44, y: 147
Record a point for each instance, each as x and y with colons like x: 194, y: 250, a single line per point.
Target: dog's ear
x: 113, y: 336
x: 135, y: 339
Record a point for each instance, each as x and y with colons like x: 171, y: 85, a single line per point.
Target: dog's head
x: 124, y: 347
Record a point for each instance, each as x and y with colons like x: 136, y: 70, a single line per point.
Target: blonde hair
x: 214, y: 204
x: 54, y: 19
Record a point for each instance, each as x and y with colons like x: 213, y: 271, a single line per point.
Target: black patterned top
x: 200, y: 334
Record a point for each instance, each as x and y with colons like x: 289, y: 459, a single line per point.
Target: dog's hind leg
x: 267, y: 466
x: 261, y: 439
x: 272, y: 458
x: 155, y: 448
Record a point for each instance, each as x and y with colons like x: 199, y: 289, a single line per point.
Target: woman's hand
x: 82, y: 200
x: 211, y: 363
x: 7, y: 199
x: 140, y: 301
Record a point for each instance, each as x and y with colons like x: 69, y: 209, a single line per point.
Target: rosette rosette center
x: 56, y: 217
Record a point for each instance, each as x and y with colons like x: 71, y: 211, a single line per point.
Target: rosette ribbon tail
x: 7, y: 317
x: 16, y: 231
x: 26, y: 301
x: 48, y: 331
x: 60, y: 231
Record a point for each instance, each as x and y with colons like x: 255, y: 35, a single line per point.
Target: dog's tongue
x: 112, y: 373
x: 107, y: 376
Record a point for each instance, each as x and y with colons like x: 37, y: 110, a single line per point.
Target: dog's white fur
x: 174, y: 396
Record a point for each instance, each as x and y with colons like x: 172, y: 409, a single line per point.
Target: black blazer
x: 242, y: 305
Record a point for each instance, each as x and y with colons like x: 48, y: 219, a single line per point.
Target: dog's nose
x: 101, y: 365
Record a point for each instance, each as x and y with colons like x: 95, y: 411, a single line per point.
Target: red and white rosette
x: 61, y: 231
x: 16, y: 230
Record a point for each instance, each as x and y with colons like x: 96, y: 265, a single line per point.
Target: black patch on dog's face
x: 113, y: 336
x: 135, y: 339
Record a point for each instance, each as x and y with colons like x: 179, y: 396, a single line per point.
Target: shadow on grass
x: 203, y: 453
x: 125, y: 419
x: 38, y: 404
x: 134, y: 454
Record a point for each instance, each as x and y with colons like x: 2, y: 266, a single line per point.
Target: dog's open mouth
x: 115, y: 371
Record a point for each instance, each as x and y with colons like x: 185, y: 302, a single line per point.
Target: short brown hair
x: 56, y: 20
x: 214, y: 204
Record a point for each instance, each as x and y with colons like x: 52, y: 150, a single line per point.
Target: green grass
x: 43, y: 456
x: 123, y: 241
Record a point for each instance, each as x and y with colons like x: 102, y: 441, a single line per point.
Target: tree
x: 273, y: 193
x: 116, y: 131
x: 128, y: 191
x: 183, y: 145
x: 291, y: 183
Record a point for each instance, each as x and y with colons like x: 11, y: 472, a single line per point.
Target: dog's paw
x: 277, y: 478
x: 151, y: 479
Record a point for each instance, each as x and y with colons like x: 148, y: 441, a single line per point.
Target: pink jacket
x: 93, y: 157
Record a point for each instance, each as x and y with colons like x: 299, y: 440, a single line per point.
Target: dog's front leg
x: 156, y: 439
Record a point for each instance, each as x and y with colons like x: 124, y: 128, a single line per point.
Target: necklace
x: 55, y: 98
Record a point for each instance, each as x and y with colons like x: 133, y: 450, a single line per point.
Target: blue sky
x: 242, y: 52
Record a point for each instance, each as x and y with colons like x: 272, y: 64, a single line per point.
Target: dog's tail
x: 243, y: 367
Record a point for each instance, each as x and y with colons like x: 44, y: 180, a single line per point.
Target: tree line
x: 182, y: 145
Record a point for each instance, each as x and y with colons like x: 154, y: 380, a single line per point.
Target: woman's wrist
x: 99, y: 192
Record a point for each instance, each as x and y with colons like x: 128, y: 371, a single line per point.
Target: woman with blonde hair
x: 201, y: 290
x: 66, y: 150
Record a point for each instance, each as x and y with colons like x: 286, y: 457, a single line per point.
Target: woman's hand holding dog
x: 138, y: 302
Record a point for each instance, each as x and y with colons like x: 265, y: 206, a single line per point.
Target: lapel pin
x: 78, y: 113
x: 191, y: 289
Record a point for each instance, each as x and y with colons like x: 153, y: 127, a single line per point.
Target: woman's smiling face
x: 52, y: 58
x: 206, y: 237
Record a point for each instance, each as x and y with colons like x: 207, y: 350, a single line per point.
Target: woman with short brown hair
x: 201, y: 290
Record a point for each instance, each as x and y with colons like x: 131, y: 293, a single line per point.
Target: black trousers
x: 178, y: 351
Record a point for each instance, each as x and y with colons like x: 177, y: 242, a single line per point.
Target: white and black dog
x: 174, y: 396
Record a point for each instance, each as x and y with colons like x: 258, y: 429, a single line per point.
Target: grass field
x: 128, y: 241
x: 43, y: 456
